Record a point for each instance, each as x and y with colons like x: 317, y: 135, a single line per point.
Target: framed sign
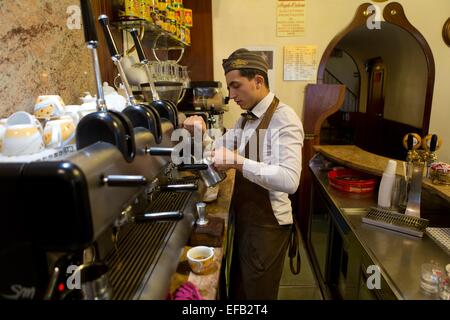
x: 291, y: 18
x: 300, y: 62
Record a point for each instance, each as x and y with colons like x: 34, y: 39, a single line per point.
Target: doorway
x: 375, y: 95
x: 339, y: 128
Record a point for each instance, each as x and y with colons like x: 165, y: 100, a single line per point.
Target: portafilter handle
x: 144, y: 61
x: 179, y: 187
x: 192, y: 167
x: 90, y: 35
x: 159, y: 151
x: 116, y: 57
x: 94, y: 281
x: 123, y: 181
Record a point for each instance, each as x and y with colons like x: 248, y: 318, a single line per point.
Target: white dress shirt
x: 279, y: 171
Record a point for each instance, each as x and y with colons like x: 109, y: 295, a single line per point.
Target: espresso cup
x: 200, y: 259
x: 72, y: 111
x: 50, y: 106
x: 59, y: 133
x: 22, y: 139
x: 2, y: 133
x: 22, y: 117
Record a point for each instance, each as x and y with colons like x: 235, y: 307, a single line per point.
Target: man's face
x: 243, y: 91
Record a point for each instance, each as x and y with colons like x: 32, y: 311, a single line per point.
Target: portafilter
x: 166, y: 108
x: 140, y: 114
x: 102, y: 125
x: 205, y: 167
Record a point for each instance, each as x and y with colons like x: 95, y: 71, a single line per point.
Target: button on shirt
x: 280, y: 166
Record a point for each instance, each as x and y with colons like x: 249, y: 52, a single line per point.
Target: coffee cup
x: 59, y: 133
x: 49, y: 106
x: 2, y: 133
x: 200, y: 258
x: 22, y: 139
x: 72, y: 111
x: 22, y: 117
x: 115, y: 101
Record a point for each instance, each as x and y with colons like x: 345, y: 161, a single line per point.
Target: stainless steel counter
x: 398, y: 255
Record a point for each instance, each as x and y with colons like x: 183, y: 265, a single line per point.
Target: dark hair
x: 251, y: 73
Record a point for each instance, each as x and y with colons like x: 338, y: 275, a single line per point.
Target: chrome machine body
x: 94, y: 206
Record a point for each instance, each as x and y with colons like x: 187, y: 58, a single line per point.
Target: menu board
x: 300, y: 62
x: 291, y: 18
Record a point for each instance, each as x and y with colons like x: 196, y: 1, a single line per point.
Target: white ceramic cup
x: 115, y: 101
x: 2, y: 133
x: 72, y: 111
x: 50, y: 106
x: 59, y: 133
x: 200, y: 258
x: 22, y: 117
x: 22, y: 139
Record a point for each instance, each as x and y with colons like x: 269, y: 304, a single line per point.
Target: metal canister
x: 188, y: 19
x: 187, y: 34
x: 178, y: 8
x: 182, y: 33
x: 173, y: 27
x: 162, y: 6
x: 166, y: 26
x: 145, y: 10
x: 132, y: 9
x: 178, y: 34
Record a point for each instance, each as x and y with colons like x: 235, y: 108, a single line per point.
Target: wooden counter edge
x: 352, y: 156
x: 208, y: 284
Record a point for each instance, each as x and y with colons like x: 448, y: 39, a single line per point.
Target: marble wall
x: 40, y: 54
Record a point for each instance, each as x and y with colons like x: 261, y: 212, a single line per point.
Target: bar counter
x: 357, y: 158
x: 208, y: 284
x: 398, y: 255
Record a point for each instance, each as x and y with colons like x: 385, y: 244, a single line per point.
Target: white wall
x: 243, y: 23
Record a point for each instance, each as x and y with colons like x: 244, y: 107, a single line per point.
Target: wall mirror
x: 389, y: 75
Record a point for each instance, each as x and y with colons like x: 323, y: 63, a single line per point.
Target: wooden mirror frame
x: 394, y: 14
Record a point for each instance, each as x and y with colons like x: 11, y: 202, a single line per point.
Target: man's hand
x: 194, y: 122
x: 225, y: 159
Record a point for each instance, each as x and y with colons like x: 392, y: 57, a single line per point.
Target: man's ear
x: 259, y: 80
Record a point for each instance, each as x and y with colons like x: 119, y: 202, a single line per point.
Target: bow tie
x: 249, y: 115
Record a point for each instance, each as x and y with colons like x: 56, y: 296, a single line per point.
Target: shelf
x: 154, y: 37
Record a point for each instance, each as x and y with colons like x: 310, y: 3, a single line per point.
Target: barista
x: 265, y: 149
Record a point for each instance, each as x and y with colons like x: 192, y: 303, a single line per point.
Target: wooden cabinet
x: 340, y: 263
x: 198, y: 57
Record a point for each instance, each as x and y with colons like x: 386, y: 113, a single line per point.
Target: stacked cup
x: 60, y: 124
x: 22, y: 135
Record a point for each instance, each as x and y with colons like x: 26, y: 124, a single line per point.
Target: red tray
x: 350, y: 180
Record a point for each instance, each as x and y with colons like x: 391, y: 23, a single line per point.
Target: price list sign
x: 300, y: 62
x: 290, y: 18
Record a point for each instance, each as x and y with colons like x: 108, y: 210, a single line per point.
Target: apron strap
x: 263, y: 125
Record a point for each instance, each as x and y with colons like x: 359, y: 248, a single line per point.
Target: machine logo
x: 20, y: 292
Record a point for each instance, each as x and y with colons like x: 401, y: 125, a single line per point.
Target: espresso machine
x: 205, y: 99
x: 105, y: 222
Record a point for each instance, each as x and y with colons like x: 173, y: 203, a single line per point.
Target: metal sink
x: 354, y: 211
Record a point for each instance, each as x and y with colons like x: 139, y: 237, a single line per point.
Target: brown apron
x: 260, y: 243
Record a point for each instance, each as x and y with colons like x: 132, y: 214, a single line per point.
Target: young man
x: 265, y: 149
